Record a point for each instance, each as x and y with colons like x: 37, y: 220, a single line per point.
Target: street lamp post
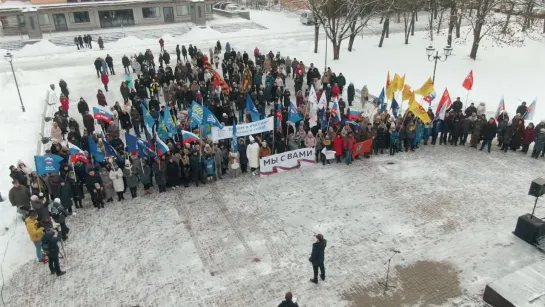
x: 325, y: 30
x: 447, y: 51
x: 9, y: 58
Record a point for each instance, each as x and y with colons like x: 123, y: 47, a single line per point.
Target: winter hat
x: 34, y: 198
x: 127, y: 163
x: 252, y: 139
x: 57, y: 200
x: 11, y: 167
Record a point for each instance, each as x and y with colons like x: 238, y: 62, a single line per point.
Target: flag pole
x: 467, y: 97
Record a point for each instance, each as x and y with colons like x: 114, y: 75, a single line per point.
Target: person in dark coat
x: 351, y: 92
x: 126, y: 64
x: 457, y: 129
x: 522, y: 109
x: 19, y: 175
x: 50, y: 245
x: 98, y: 66
x: 124, y: 89
x: 317, y: 258
x: 508, y: 132
x: 82, y: 106
x: 470, y: 110
x: 41, y: 207
x: 289, y: 301
x: 489, y: 132
x: 518, y: 135
x: 172, y: 173
x: 166, y: 57
x: 159, y: 168
x: 243, y: 157
x: 59, y: 214
x: 65, y: 194
x: 110, y: 63
x: 100, y: 43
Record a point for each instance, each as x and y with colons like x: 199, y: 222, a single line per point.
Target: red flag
x: 468, y: 81
x: 444, y: 103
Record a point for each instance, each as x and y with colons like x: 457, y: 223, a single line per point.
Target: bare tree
x: 452, y: 21
x: 316, y: 33
x: 342, y: 18
x: 485, y: 21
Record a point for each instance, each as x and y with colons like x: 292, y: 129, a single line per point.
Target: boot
x: 314, y: 280
x: 61, y: 273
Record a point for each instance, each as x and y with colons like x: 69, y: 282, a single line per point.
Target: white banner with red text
x: 286, y: 161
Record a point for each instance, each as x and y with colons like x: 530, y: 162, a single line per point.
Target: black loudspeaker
x: 529, y: 229
x: 537, y: 188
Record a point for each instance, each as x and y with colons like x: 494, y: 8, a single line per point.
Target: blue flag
x: 47, y: 164
x: 162, y: 130
x: 196, y: 114
x: 211, y: 119
x: 110, y: 150
x: 235, y: 141
x: 168, y: 121
x: 95, y: 151
x: 148, y: 121
x: 250, y: 107
x: 395, y: 107
x: 132, y: 143
x: 293, y: 114
x: 381, y: 99
x: 144, y: 149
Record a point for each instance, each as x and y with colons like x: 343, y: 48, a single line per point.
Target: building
x: 34, y: 17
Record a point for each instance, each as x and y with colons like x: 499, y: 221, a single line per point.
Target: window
x: 43, y: 19
x: 80, y: 17
x: 200, y: 11
x: 150, y: 12
x: 208, y: 8
x: 182, y: 10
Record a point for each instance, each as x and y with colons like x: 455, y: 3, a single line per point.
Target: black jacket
x: 522, y: 110
x: 125, y: 61
x: 489, y: 131
x: 288, y: 304
x: 50, y: 244
x: 20, y: 176
x: 317, y: 255
x: 83, y: 107
x: 109, y: 61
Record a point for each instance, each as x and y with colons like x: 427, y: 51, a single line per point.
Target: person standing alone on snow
x: 317, y: 258
x: 110, y: 63
x: 50, y: 243
x: 162, y: 44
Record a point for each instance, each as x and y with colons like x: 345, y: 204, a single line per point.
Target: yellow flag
x: 425, y: 89
x: 396, y: 82
x: 419, y: 111
x: 401, y: 83
x: 407, y: 93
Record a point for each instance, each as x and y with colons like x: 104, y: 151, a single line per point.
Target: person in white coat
x: 234, y: 161
x: 481, y: 109
x: 116, y: 175
x: 51, y: 95
x: 252, y: 152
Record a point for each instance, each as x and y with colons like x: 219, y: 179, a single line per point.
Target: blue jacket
x: 104, y: 66
x: 209, y: 166
x: 393, y: 137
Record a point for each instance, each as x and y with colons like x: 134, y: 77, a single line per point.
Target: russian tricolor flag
x: 76, y: 154
x: 161, y: 147
x: 189, y: 137
x: 102, y: 114
x: 354, y: 114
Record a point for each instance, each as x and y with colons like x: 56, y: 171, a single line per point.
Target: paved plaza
x: 246, y: 241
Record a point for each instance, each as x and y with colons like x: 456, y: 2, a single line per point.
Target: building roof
x: 25, y: 6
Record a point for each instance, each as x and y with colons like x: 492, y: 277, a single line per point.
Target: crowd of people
x: 169, y: 88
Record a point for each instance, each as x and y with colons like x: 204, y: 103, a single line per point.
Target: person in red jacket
x: 300, y: 69
x: 105, y: 79
x: 64, y: 103
x: 335, y: 91
x: 528, y: 138
x: 349, y: 142
x: 338, y: 145
x: 101, y: 99
x: 162, y: 44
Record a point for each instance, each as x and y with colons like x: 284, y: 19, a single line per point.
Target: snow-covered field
x: 445, y: 204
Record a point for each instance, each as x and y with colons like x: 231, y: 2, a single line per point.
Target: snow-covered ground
x: 432, y: 205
